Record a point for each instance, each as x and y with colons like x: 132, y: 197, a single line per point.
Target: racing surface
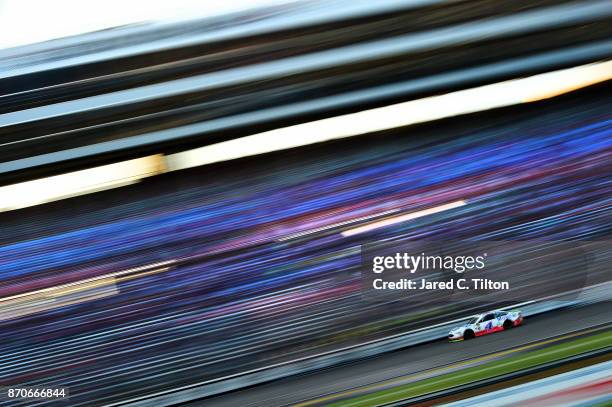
x: 309, y: 389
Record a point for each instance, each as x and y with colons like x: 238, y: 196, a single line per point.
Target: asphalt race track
x: 307, y: 388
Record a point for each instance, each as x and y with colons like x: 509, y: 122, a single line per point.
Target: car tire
x: 508, y: 324
x: 469, y: 334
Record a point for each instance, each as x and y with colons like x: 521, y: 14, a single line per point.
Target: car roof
x: 488, y: 312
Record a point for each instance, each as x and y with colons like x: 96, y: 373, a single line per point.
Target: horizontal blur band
x: 507, y: 93
x: 472, y: 100
x: 77, y: 183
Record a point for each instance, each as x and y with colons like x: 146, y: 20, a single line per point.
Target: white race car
x: 486, y: 323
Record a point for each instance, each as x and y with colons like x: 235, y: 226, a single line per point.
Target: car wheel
x: 508, y: 324
x: 469, y: 334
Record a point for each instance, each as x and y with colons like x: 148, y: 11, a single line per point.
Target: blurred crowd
x: 241, y: 270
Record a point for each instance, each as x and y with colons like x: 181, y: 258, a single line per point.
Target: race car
x: 486, y: 323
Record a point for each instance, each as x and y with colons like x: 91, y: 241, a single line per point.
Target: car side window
x: 488, y: 317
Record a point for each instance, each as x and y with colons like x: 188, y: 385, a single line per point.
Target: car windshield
x: 473, y: 320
